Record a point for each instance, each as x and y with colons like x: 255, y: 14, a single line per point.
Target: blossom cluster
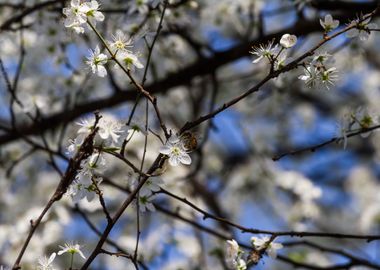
x: 362, y: 28
x: 318, y: 73
x: 111, y: 135
x: 276, y: 55
x: 234, y: 254
x: 80, y: 12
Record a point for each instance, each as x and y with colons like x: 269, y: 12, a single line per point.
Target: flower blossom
x: 120, y: 42
x: 176, y: 151
x: 233, y: 256
x: 264, y: 52
x: 287, y: 41
x: 72, y: 249
x: 45, y: 263
x: 96, y: 61
x: 79, y: 13
x: 145, y: 203
x: 362, y: 29
x: 265, y: 244
x: 75, y: 16
x: 130, y: 60
x: 329, y: 23
x: 92, y: 13
x: 110, y: 130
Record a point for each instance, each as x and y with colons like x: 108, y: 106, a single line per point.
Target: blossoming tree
x: 189, y: 134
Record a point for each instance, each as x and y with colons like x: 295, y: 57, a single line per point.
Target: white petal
x: 51, y: 258
x: 165, y: 150
x: 173, y: 160
x: 81, y: 254
x: 102, y: 71
x: 185, y: 159
x: 272, y: 253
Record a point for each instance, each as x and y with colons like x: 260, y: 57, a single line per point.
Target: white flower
x: 319, y: 76
x: 322, y: 59
x: 328, y: 77
x: 130, y: 60
x: 263, y: 243
x: 362, y: 29
x: 363, y: 119
x: 92, y: 13
x: 281, y: 61
x: 74, y: 145
x: 151, y: 185
x: 96, y: 61
x: 133, y: 128
x: 72, y: 249
x: 75, y: 16
x: 310, y: 77
x: 86, y: 126
x: 176, y: 152
x: 145, y: 203
x: 288, y: 41
x: 82, y: 187
x: 264, y: 52
x: 110, y: 130
x: 45, y: 263
x: 95, y: 163
x: 120, y: 42
x: 329, y: 23
x: 233, y: 254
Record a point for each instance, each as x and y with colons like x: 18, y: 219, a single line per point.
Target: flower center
x: 176, y: 151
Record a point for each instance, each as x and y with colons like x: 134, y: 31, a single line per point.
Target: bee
x: 189, y: 141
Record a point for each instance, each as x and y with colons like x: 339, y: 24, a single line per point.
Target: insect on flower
x: 189, y: 141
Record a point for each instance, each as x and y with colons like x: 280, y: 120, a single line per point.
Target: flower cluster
x: 274, y: 54
x: 80, y: 12
x: 111, y: 133
x: 110, y: 136
x: 87, y: 179
x: 121, y: 46
x: 362, y: 28
x: 262, y: 245
x: 77, y: 15
x: 318, y: 73
x: 45, y: 263
x: 176, y: 150
x: 266, y: 244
